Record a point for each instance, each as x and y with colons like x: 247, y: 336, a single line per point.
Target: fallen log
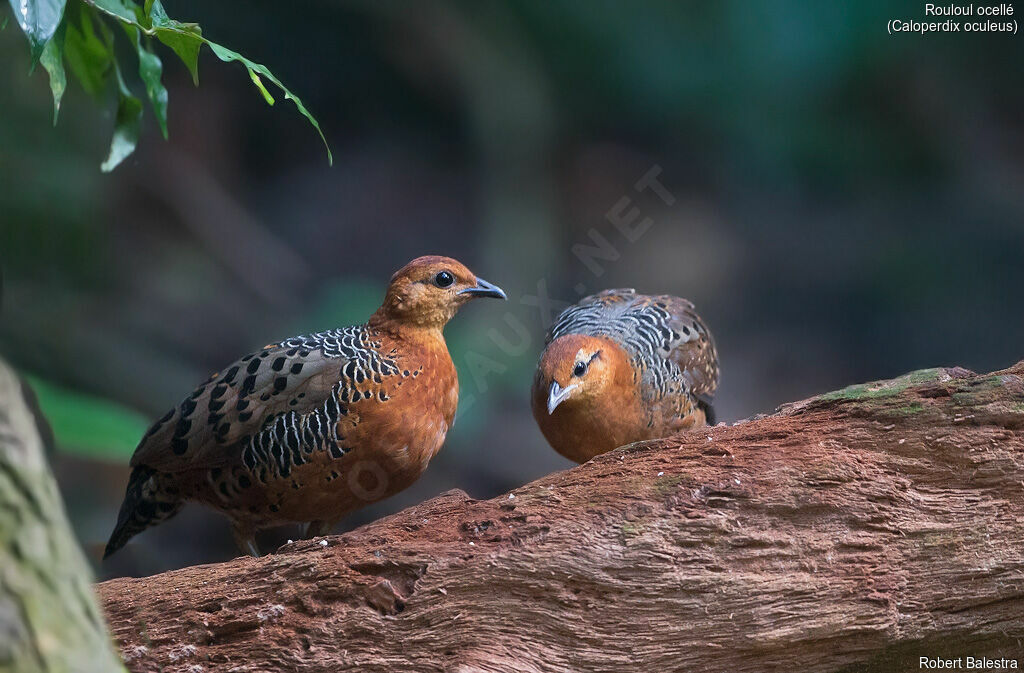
x: 860, y: 530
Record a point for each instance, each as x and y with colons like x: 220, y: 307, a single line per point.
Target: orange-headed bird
x: 619, y: 367
x: 311, y: 428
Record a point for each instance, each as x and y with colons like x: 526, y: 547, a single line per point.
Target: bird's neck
x: 427, y: 334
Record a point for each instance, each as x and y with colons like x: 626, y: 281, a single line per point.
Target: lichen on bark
x: 49, y: 619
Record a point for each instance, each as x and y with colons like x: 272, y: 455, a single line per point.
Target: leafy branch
x: 81, y: 34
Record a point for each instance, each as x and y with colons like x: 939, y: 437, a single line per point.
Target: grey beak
x: 557, y: 395
x: 484, y: 289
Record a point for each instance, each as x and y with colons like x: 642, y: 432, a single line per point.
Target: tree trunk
x: 858, y: 531
x: 49, y: 618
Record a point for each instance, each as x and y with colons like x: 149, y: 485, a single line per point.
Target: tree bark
x: 855, y: 531
x: 49, y: 618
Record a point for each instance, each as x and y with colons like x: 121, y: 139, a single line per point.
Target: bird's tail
x: 709, y: 411
x: 145, y: 505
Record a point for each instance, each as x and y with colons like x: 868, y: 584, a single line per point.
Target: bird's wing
x: 592, y: 314
x: 297, y: 377
x: 690, y: 346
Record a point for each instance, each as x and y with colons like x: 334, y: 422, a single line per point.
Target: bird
x: 620, y: 367
x: 310, y: 428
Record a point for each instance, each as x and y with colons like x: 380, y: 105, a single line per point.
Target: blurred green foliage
x: 87, y: 425
x: 79, y: 32
x: 341, y: 301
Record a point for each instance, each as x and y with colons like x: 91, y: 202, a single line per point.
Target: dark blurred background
x: 846, y: 205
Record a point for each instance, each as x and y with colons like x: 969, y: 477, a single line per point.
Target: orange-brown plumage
x: 315, y: 426
x: 620, y: 367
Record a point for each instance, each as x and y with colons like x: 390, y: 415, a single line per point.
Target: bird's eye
x: 580, y: 369
x: 444, y: 279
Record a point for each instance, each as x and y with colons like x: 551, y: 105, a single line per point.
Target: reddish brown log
x: 858, y: 530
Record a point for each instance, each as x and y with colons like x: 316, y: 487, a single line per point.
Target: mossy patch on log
x: 882, y: 389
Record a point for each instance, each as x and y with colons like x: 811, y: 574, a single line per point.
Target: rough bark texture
x: 49, y: 619
x: 854, y: 531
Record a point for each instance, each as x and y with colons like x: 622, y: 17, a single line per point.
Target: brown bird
x: 311, y: 428
x: 619, y: 367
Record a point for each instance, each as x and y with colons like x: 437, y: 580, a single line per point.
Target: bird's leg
x: 316, y: 528
x: 245, y: 538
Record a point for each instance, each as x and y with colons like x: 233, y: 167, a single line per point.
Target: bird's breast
x: 407, y: 430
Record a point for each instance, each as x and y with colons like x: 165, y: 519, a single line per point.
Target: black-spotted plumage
x: 275, y: 409
x: 302, y: 379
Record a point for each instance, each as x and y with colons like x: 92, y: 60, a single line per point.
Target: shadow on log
x: 855, y: 531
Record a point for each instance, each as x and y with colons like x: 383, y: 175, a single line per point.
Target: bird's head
x: 429, y: 290
x: 576, y: 368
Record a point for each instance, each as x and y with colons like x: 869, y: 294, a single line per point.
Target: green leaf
x: 115, y: 8
x: 255, y: 69
x: 156, y: 13
x: 88, y: 425
x: 126, y: 127
x: 184, y: 39
x: 87, y: 55
x: 150, y: 70
x: 3, y: 24
x: 259, y: 85
x: 52, y: 59
x: 39, y: 20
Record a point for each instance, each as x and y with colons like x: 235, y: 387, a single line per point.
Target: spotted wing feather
x: 289, y: 394
x: 692, y: 347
